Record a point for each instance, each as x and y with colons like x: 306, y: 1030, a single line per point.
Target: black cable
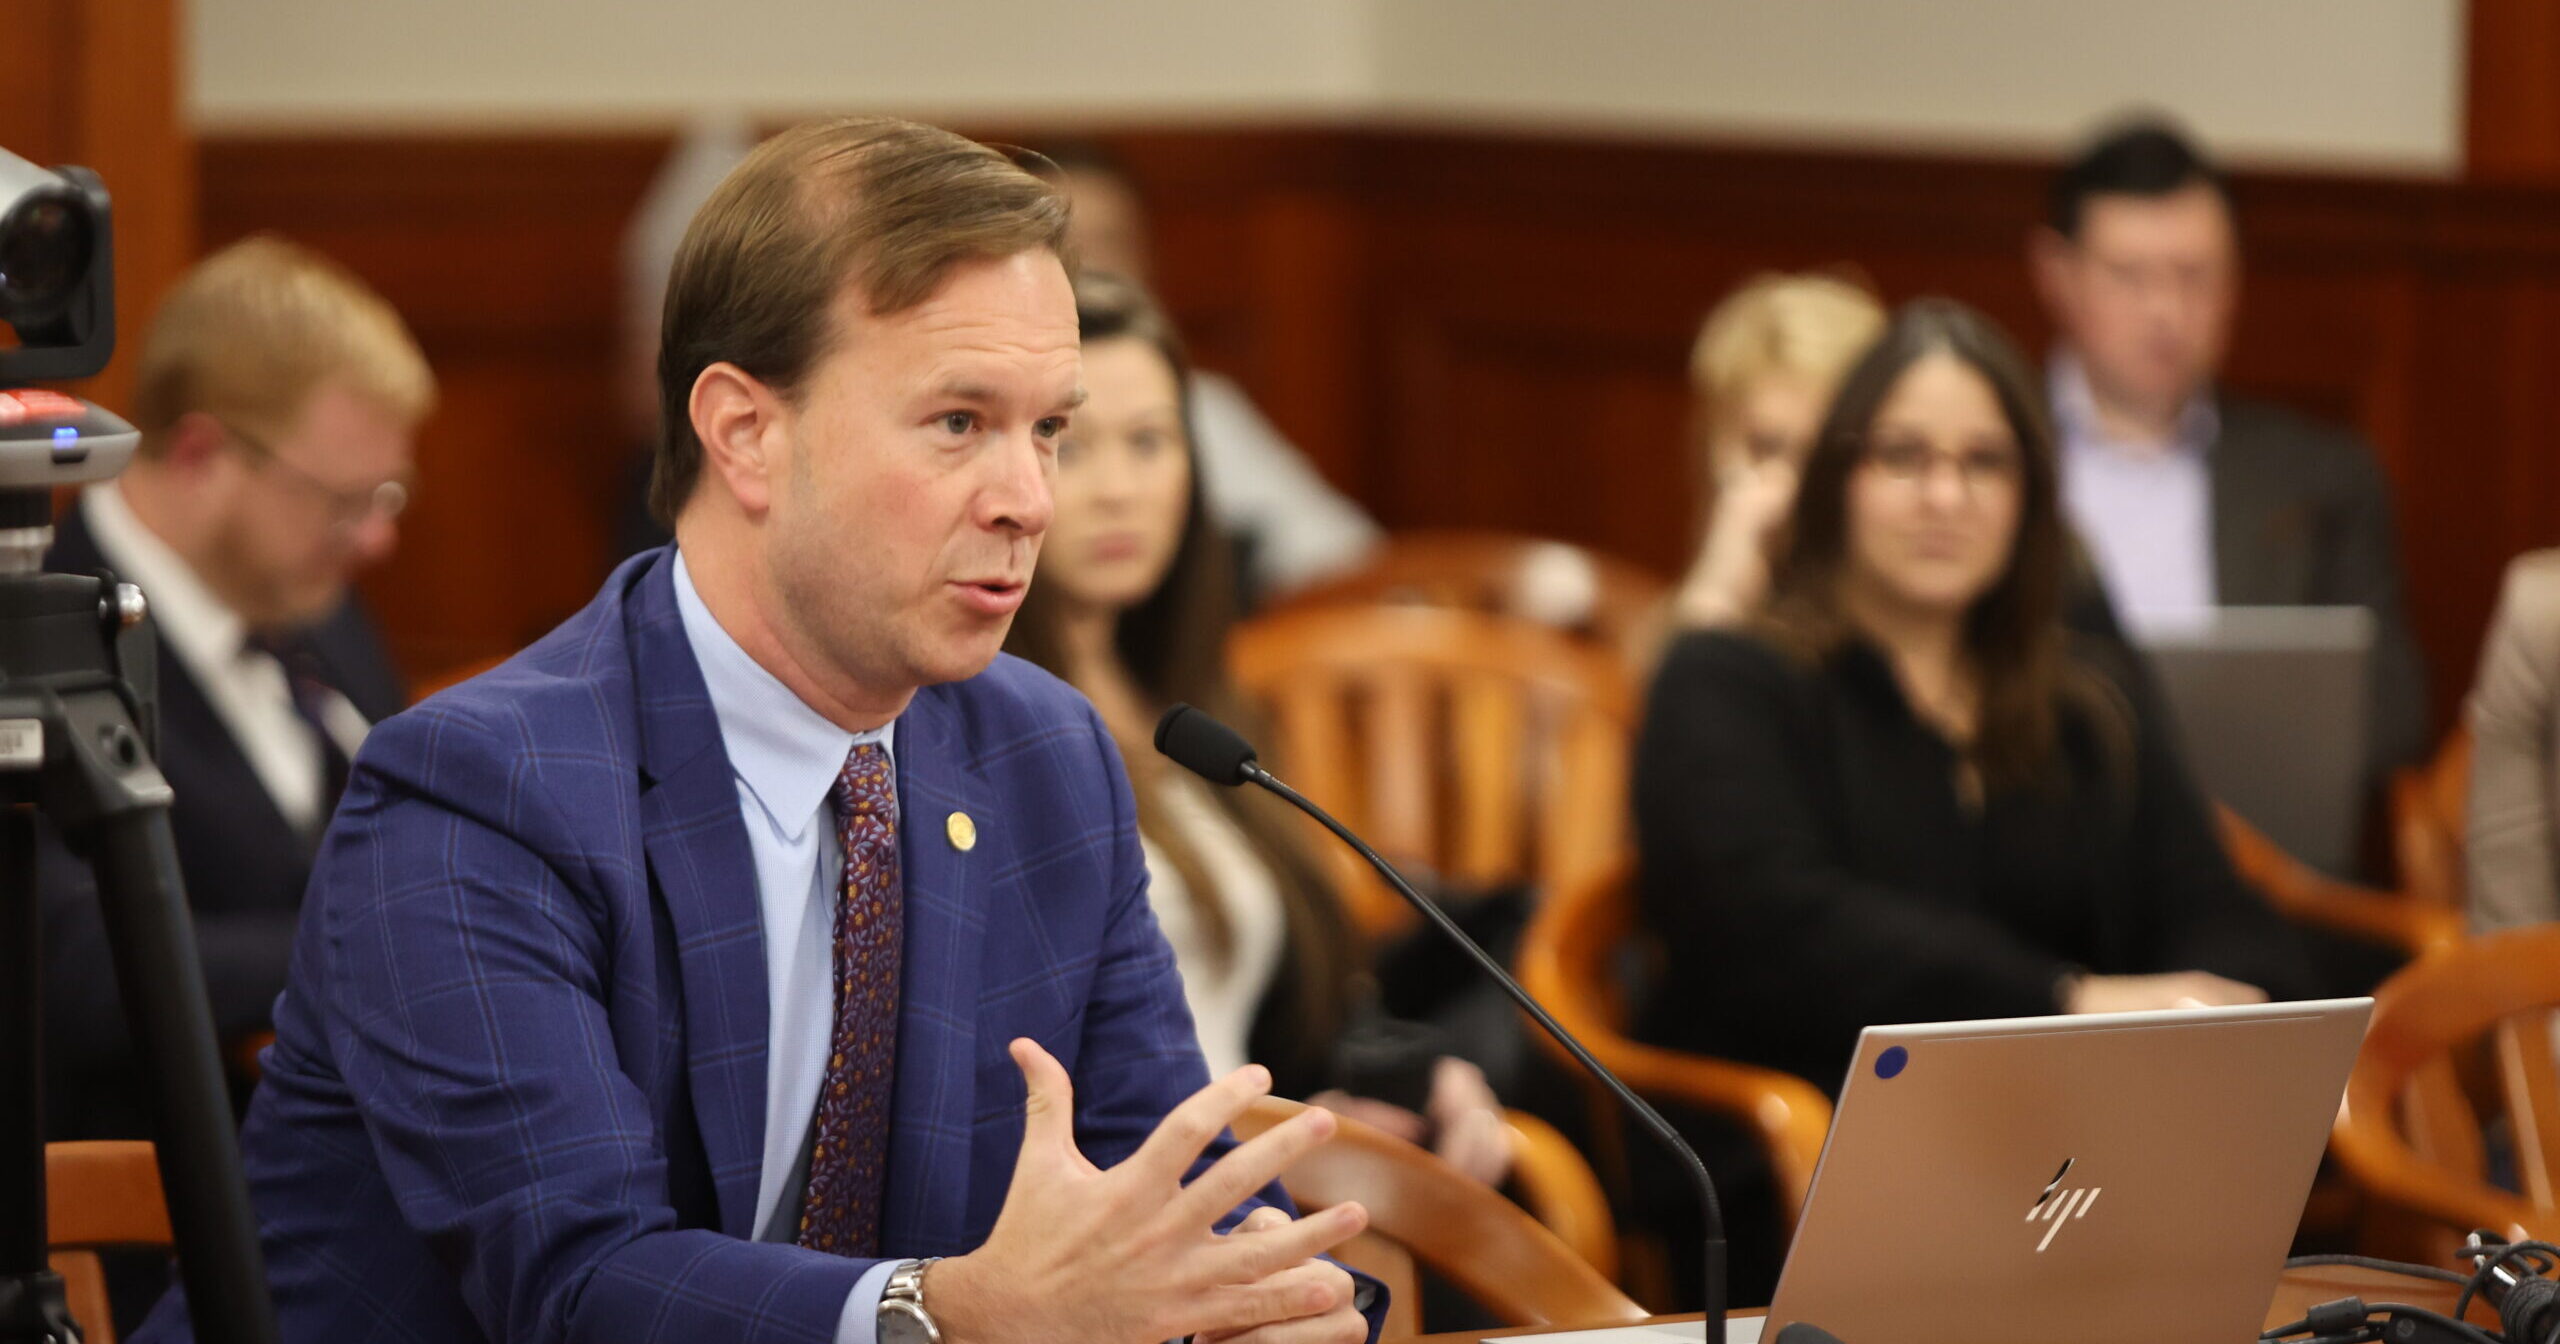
x: 2350, y: 1320
x: 2538, y: 1258
x: 2436, y: 1273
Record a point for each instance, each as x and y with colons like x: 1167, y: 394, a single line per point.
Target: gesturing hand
x: 1131, y: 1254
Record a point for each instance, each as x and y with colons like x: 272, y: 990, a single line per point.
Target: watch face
x: 906, y: 1323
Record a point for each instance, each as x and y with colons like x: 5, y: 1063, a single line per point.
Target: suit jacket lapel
x: 704, y: 871
x: 935, y: 1107
x: 2261, y: 535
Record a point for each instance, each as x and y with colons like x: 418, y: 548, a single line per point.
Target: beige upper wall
x: 2368, y: 82
x: 2372, y: 83
x: 320, y: 63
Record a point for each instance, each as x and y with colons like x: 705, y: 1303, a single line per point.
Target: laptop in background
x: 2271, y: 705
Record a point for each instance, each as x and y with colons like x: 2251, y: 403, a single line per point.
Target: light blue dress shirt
x: 786, y: 756
x: 2145, y: 509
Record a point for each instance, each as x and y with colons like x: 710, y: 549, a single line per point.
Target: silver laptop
x: 2110, y: 1179
x: 2271, y: 706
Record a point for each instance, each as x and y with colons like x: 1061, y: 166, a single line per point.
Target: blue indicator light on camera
x: 1892, y: 1062
x: 65, y: 433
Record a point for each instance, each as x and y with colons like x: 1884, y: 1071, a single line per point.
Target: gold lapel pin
x: 963, y: 832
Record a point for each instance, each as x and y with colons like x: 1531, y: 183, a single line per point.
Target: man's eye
x: 1051, y: 427
x: 959, y: 422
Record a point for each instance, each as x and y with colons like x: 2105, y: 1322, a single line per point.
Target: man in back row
x: 676, y: 980
x: 2190, y: 497
x: 278, y: 397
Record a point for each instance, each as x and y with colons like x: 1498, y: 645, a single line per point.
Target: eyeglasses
x: 348, y: 509
x: 1910, y: 462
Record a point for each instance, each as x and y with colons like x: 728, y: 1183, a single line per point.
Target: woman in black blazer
x: 1903, y: 792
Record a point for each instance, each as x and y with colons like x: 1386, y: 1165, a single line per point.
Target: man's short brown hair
x: 886, y: 205
x: 256, y: 328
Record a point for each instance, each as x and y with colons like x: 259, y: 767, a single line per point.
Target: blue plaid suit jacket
x: 517, y: 1091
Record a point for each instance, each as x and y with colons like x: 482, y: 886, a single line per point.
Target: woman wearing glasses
x: 1902, y: 792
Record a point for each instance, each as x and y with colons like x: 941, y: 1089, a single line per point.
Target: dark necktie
x: 848, y: 1156
x: 311, y: 696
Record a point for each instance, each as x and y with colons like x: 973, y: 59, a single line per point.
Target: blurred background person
x: 2188, y: 496
x: 277, y: 397
x: 1760, y: 377
x: 2515, y: 751
x: 277, y: 400
x: 1906, y: 783
x: 1132, y: 606
x: 1290, y: 525
x: 1903, y: 792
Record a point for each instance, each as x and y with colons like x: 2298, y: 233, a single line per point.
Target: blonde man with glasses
x: 278, y: 398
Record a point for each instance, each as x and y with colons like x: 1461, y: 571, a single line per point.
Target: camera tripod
x: 76, y: 705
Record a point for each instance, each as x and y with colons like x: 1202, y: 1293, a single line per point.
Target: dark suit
x: 2302, y: 517
x: 518, y: 1086
x: 244, y: 864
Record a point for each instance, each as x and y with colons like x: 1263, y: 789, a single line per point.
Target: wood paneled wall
x: 1463, y: 330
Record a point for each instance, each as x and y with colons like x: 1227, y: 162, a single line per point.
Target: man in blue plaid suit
x: 574, y: 1006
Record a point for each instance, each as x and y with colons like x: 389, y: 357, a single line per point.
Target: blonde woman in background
x: 1760, y: 377
x: 2514, y: 751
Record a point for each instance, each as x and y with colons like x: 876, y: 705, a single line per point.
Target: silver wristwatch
x: 903, y: 1319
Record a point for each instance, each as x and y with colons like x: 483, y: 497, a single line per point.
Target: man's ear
x: 740, y: 422
x: 192, y: 442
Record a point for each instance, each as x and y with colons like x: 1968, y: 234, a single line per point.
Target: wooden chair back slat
x: 1484, y: 750
x: 1485, y: 1245
x: 2502, y: 988
x: 2529, y: 1078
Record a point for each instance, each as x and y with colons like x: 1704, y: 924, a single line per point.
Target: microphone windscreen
x: 1203, y: 746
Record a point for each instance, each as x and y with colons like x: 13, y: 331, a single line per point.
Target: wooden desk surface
x: 2299, y: 1290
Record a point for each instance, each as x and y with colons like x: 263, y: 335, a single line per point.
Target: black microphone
x: 1218, y: 754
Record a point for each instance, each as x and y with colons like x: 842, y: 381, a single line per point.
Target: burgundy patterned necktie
x: 848, y: 1160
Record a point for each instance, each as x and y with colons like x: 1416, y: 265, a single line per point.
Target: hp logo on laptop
x: 2057, y: 1206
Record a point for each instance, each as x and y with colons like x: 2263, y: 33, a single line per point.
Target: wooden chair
x: 1486, y: 750
x: 1613, y: 602
x: 2430, y: 808
x: 98, y: 1196
x: 2413, y: 924
x: 1568, y: 958
x: 2409, y: 1134
x: 1423, y: 1211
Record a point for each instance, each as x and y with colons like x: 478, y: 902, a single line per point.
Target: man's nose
x: 1019, y: 499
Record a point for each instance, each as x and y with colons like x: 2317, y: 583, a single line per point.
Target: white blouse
x: 1224, y: 990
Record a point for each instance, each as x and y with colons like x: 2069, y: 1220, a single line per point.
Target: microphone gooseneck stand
x: 1215, y: 752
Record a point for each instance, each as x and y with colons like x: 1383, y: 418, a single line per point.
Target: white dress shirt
x: 786, y: 756
x: 1224, y: 988
x: 249, y: 690
x: 2145, y: 509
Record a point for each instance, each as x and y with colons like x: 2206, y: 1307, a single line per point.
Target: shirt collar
x: 203, y: 631
x: 2075, y: 411
x: 787, y: 754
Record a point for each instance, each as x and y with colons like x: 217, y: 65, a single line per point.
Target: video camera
x: 57, y: 291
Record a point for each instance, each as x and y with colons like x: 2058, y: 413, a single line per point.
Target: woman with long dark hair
x: 1904, y: 792
x: 1132, y: 602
